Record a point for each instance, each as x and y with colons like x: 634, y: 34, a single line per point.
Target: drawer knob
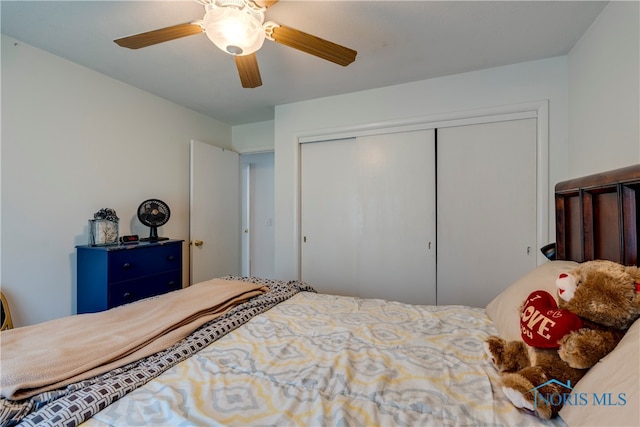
x: 126, y: 265
x: 171, y: 257
x: 171, y: 284
x: 127, y: 295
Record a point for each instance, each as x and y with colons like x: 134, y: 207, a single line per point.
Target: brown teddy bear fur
x: 607, y: 299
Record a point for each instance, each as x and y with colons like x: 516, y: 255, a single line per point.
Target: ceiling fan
x: 238, y: 28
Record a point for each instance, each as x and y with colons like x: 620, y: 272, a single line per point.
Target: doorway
x: 257, y: 194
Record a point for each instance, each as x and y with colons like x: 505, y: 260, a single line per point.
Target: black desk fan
x: 153, y: 213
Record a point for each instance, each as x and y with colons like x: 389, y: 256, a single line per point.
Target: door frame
x: 534, y: 109
x: 245, y: 193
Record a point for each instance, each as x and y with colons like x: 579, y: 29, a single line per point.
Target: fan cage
x: 143, y: 210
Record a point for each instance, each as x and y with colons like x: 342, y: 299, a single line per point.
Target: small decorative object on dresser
x: 109, y: 276
x: 103, y: 228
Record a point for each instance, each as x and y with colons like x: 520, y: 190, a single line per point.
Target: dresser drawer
x: 109, y: 276
x: 134, y: 290
x: 129, y: 264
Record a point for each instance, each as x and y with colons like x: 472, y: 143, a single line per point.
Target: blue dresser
x: 109, y: 276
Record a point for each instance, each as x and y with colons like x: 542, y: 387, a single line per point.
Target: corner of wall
x: 604, y: 92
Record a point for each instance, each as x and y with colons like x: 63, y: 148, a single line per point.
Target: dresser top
x: 125, y: 246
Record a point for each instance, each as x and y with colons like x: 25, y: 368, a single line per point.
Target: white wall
x: 73, y: 142
x: 604, y: 92
x: 514, y: 84
x: 253, y: 137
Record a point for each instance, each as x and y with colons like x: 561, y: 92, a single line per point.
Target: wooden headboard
x: 597, y: 217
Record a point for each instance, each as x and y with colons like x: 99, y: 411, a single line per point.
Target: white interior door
x: 486, y: 209
x: 396, y: 195
x: 214, y: 212
x: 329, y: 212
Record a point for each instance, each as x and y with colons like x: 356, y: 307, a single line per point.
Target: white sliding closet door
x: 368, y: 216
x: 396, y: 194
x: 486, y: 209
x: 329, y: 212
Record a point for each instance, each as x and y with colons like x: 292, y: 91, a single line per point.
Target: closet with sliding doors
x: 432, y: 216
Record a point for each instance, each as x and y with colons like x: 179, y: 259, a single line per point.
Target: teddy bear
x: 597, y: 302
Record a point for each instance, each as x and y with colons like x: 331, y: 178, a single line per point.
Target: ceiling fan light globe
x: 234, y: 31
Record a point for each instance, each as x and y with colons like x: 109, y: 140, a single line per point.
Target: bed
x: 287, y: 355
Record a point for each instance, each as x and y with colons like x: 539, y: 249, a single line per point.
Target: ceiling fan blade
x: 265, y: 3
x: 314, y: 45
x: 159, y: 36
x: 248, y: 70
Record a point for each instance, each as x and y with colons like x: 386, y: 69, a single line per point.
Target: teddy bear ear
x: 634, y: 272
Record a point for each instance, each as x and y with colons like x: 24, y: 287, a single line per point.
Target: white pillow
x: 610, y: 390
x: 504, y: 310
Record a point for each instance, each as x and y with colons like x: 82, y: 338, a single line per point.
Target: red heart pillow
x: 543, y: 324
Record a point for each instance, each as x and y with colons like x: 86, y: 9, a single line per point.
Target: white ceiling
x: 397, y: 42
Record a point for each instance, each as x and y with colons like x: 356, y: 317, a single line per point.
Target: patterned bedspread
x: 329, y: 360
x: 70, y: 405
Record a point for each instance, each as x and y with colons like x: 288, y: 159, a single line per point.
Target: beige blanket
x: 53, y: 354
